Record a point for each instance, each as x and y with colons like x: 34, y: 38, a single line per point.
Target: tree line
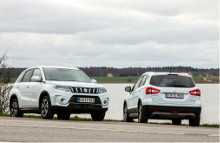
x: 131, y: 71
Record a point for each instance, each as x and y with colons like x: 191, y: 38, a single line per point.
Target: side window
x: 19, y: 79
x: 37, y: 72
x: 143, y: 80
x: 28, y: 75
x: 137, y: 84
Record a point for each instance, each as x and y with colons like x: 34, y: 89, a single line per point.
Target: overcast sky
x: 116, y: 33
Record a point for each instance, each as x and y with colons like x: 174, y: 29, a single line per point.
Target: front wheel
x: 142, y: 116
x: 98, y: 116
x: 14, y: 109
x: 194, y: 121
x: 46, y: 111
x: 126, y: 117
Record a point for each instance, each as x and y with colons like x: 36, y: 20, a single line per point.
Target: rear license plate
x: 174, y: 95
x: 86, y: 100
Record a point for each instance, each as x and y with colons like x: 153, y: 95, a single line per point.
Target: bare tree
x: 4, y: 84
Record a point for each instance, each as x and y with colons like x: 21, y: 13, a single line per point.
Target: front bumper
x: 79, y: 108
x: 169, y: 112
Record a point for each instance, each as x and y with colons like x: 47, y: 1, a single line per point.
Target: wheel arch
x: 13, y: 96
x: 139, y: 101
x: 43, y: 93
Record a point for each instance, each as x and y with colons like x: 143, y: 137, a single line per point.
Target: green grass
x: 76, y: 118
x: 198, y: 78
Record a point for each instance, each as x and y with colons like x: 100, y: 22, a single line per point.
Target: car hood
x: 75, y: 84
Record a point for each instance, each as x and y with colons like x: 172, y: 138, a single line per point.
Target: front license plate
x: 175, y: 95
x: 86, y: 100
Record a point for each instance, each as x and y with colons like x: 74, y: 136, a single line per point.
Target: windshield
x: 172, y: 81
x: 63, y: 74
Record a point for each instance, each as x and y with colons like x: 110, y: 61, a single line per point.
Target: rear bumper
x: 169, y: 112
x: 79, y: 108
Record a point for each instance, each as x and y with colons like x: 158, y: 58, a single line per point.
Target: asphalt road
x: 40, y: 130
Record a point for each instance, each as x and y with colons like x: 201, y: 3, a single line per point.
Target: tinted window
x: 62, y: 74
x: 37, y: 72
x: 172, y: 81
x: 20, y: 77
x: 27, y: 76
x: 143, y: 80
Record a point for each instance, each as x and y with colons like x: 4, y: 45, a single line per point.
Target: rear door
x: 174, y: 89
x: 24, y: 89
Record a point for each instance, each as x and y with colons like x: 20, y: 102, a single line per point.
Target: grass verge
x: 76, y: 118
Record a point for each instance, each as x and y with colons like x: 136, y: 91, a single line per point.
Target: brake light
x: 151, y: 90
x: 195, y: 92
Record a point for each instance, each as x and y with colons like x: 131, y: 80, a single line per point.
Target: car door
x: 24, y: 89
x: 133, y: 96
x: 35, y: 89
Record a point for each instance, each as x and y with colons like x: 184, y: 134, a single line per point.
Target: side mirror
x: 35, y: 79
x: 94, y: 81
x: 128, y: 89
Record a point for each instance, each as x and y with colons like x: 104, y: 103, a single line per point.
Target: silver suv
x: 158, y: 95
x: 57, y: 90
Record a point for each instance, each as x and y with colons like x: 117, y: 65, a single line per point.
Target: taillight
x: 11, y: 86
x: 195, y: 92
x: 151, y: 90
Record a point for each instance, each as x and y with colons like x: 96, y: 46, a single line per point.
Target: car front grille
x: 85, y: 90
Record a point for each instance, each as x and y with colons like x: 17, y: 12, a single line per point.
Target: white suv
x: 57, y: 90
x: 163, y: 96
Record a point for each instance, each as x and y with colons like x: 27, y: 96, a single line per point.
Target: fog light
x: 105, y: 101
x: 60, y: 100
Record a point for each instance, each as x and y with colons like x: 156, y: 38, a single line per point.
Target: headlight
x: 63, y: 88
x: 102, y: 90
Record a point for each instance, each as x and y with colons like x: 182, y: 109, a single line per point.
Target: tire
x: 194, y: 121
x: 126, y: 117
x: 176, y: 121
x: 63, y: 116
x: 45, y: 108
x: 98, y: 116
x: 14, y: 109
x: 142, y: 115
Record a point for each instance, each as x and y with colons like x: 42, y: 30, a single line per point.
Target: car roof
x: 74, y: 68
x: 165, y: 73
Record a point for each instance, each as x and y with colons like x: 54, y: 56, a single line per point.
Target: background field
x: 132, y: 79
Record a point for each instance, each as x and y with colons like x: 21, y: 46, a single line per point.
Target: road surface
x: 40, y: 130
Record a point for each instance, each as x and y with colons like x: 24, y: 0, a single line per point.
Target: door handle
x: 28, y: 86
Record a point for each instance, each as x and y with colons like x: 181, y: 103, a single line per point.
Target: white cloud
x: 116, y: 33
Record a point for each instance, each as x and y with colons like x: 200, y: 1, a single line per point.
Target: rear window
x: 172, y: 81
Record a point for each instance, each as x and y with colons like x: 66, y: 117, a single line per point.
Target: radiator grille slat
x: 84, y: 90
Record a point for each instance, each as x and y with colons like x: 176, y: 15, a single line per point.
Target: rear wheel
x: 176, y: 121
x: 14, y: 109
x: 98, y: 116
x: 142, y: 116
x: 46, y: 111
x: 194, y: 121
x: 126, y: 117
x: 63, y: 116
